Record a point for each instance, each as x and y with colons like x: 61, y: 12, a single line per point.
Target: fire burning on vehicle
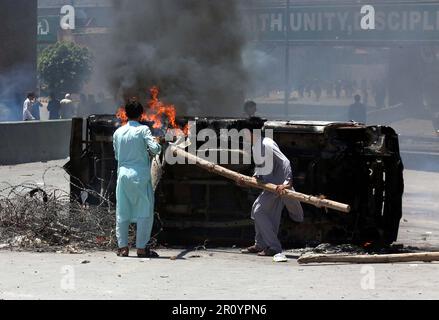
x: 162, y: 115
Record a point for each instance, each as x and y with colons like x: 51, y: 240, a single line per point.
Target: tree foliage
x: 65, y: 67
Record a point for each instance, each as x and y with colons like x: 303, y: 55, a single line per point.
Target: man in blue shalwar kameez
x: 134, y: 146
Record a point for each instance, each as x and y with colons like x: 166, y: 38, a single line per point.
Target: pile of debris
x: 328, y: 248
x: 349, y: 253
x: 46, y: 219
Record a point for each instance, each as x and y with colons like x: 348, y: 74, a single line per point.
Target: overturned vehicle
x: 347, y: 162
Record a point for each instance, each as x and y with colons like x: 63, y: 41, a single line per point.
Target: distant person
x: 28, y: 105
x: 349, y: 88
x: 36, y: 108
x: 67, y: 107
x: 250, y: 109
x: 357, y: 110
x: 317, y: 89
x: 301, y: 89
x: 329, y: 89
x: 53, y: 107
x: 308, y: 88
x: 338, y: 89
x: 355, y: 84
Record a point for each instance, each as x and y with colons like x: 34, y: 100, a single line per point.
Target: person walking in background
x: 317, y: 88
x: 53, y: 107
x: 250, y: 109
x: 301, y: 89
x: 329, y: 89
x: 338, y: 89
x: 67, y: 107
x: 357, y: 110
x: 36, y: 108
x: 348, y: 88
x: 28, y: 106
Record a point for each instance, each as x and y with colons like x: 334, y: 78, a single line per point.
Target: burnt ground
x: 187, y: 274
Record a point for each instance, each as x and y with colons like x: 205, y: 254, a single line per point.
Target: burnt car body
x: 347, y: 162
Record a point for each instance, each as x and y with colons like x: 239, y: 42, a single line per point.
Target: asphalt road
x: 222, y: 273
x: 216, y: 275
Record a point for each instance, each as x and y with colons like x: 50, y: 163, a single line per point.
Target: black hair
x: 133, y: 110
x: 31, y: 95
x: 357, y: 97
x: 249, y: 104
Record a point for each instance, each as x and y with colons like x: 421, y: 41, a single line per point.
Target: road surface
x: 222, y: 273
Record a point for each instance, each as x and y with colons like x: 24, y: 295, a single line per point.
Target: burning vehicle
x: 348, y: 162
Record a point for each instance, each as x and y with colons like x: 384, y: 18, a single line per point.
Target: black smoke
x: 191, y: 49
x: 18, y: 55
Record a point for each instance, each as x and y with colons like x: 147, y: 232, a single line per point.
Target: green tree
x: 64, y: 67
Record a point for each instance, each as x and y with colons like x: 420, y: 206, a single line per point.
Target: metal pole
x: 287, y: 57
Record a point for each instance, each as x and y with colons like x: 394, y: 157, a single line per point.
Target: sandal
x: 268, y: 253
x: 146, y: 253
x: 252, y: 249
x: 123, y: 252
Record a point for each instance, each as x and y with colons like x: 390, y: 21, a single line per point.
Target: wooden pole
x: 76, y: 148
x: 253, y: 182
x: 381, y: 258
x: 287, y: 58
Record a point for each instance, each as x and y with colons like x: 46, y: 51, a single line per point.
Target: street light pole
x: 287, y: 58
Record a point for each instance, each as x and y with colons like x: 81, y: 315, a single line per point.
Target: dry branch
x: 376, y: 258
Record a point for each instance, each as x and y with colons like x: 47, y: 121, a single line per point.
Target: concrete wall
x: 24, y: 142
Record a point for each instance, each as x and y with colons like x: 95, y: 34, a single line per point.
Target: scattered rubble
x: 342, y: 248
x: 327, y: 248
x: 351, y: 249
x: 72, y: 249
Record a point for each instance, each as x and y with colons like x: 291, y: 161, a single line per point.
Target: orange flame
x: 122, y: 116
x: 162, y: 115
x: 367, y: 244
x: 159, y: 112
